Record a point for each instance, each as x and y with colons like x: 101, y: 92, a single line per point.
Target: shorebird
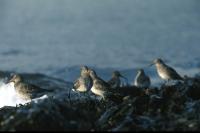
x: 166, y: 72
x: 99, y: 87
x: 142, y: 80
x: 26, y: 91
x: 84, y: 82
x: 115, y: 81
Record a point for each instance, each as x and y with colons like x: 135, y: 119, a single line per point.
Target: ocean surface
x: 55, y: 37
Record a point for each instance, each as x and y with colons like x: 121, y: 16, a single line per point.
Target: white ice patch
x: 9, y: 97
x: 36, y: 100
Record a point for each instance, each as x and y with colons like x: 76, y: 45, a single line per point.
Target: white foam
x: 8, y: 95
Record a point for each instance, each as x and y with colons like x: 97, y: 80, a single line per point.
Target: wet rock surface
x: 171, y: 107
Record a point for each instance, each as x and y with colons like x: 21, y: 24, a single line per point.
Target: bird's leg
x: 88, y: 95
x: 126, y: 81
x: 69, y: 96
x: 146, y: 91
x: 79, y: 95
x: 168, y: 81
x: 102, y: 99
x: 165, y: 82
x: 89, y: 98
x: 95, y: 99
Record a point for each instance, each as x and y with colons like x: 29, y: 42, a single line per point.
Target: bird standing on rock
x: 84, y: 82
x: 166, y: 72
x: 99, y: 87
x: 142, y: 80
x: 115, y: 81
x: 26, y: 91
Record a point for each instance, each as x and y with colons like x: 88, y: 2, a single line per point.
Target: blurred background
x: 55, y: 37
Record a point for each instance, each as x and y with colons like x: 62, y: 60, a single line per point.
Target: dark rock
x: 172, y: 107
x: 194, y: 91
x: 129, y: 90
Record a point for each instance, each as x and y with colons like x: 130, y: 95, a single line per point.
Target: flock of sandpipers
x: 89, y: 80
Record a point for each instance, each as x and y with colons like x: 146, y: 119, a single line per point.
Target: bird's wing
x: 173, y: 73
x: 100, y: 85
x: 114, y: 82
x: 141, y: 78
x: 104, y: 82
x: 34, y: 89
x: 24, y: 88
x: 148, y: 79
x: 76, y: 84
x: 111, y: 82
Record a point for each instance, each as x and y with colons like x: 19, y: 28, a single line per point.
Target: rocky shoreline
x: 171, y: 107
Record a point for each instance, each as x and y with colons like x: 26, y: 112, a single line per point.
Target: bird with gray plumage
x: 166, y: 72
x: 26, y: 91
x: 99, y: 87
x: 84, y: 82
x: 115, y: 81
x: 142, y: 80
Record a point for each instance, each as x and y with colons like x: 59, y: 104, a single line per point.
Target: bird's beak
x: 9, y: 81
x: 151, y: 64
x: 124, y: 78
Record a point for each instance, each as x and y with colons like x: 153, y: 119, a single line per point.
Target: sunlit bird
x: 142, y: 80
x: 166, y: 72
x: 84, y: 82
x: 99, y: 87
x: 26, y: 91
